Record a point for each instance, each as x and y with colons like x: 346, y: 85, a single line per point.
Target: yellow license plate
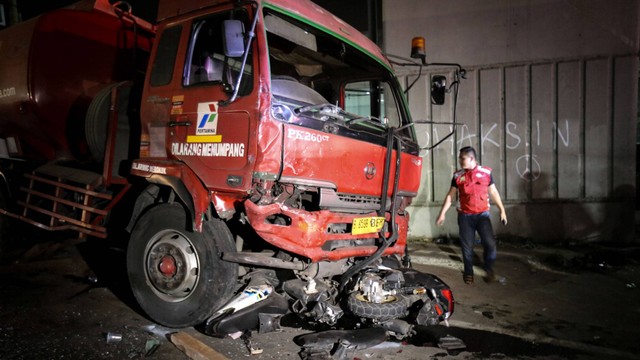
x: 367, y: 225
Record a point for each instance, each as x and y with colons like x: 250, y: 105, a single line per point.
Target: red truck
x: 267, y: 135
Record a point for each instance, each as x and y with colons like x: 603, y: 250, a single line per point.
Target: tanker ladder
x: 60, y: 198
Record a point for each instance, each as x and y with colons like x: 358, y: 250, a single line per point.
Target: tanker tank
x: 51, y: 68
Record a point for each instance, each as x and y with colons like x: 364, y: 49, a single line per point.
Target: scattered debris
x: 113, y: 338
x: 157, y: 330
x: 246, y: 337
x: 387, y: 345
x: 338, y: 344
x: 269, y: 323
x: 151, y: 346
x: 194, y: 348
x: 451, y: 343
x: 487, y: 314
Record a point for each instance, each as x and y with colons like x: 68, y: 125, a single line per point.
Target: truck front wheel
x: 177, y: 275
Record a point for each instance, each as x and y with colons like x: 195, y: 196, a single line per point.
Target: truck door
x: 212, y: 138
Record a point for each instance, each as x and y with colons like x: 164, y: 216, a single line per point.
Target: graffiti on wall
x: 526, y: 166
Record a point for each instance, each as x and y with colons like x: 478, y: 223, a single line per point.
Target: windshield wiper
x: 369, y: 120
x: 323, y: 110
x: 326, y: 111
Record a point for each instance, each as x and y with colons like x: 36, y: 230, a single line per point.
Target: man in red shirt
x: 476, y: 186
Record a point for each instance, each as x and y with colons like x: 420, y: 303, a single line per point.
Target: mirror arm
x: 252, y: 34
x: 428, y: 148
x: 414, y: 81
x: 455, y: 106
x: 460, y: 72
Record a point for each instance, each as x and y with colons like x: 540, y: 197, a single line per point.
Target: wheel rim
x: 172, y: 266
x: 387, y: 299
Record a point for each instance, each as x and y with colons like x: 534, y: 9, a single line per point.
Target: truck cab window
x: 206, y: 62
x: 164, y: 63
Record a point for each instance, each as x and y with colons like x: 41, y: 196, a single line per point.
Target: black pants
x: 468, y: 225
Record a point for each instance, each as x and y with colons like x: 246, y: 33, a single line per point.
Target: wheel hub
x: 168, y: 266
x: 172, y: 266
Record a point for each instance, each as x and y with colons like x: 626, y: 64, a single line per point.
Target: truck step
x: 79, y: 176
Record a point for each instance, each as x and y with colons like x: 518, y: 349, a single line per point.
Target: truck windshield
x: 316, y: 74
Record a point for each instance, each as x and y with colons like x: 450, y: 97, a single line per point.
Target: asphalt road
x: 61, y: 299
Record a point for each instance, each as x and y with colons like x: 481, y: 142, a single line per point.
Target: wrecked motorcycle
x: 384, y: 295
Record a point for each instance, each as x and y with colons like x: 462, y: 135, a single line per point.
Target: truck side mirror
x: 233, y: 39
x: 438, y: 89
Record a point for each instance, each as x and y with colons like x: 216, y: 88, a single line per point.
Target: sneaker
x: 491, y: 277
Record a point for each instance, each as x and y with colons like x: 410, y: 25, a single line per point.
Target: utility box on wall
x: 550, y: 102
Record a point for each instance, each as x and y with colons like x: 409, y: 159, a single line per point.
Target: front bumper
x: 308, y: 233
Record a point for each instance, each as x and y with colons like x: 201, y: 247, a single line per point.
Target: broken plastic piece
x: 400, y: 329
x: 326, y: 313
x: 247, y: 318
x: 269, y: 323
x: 357, y: 339
x: 250, y: 296
x: 151, y: 346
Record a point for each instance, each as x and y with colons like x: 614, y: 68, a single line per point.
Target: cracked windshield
x: 317, y: 75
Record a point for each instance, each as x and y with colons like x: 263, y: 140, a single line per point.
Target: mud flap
x: 338, y: 344
x: 250, y: 317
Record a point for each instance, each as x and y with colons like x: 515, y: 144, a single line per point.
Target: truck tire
x: 177, y: 275
x: 397, y: 308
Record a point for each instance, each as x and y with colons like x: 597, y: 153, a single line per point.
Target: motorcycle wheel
x: 394, y: 308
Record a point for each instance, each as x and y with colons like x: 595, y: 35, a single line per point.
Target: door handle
x: 179, y: 123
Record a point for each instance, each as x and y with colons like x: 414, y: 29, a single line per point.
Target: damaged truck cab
x: 272, y: 136
x: 302, y: 147
x: 281, y: 115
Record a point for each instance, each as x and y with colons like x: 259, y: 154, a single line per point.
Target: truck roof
x: 106, y: 7
x: 304, y: 10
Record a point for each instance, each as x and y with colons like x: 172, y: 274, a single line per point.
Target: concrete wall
x: 550, y: 101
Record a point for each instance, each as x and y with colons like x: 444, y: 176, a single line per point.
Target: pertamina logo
x: 207, y: 118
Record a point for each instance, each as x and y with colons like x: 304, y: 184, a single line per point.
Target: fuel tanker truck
x: 266, y: 149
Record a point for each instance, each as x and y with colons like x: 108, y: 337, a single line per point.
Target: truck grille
x: 329, y: 199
